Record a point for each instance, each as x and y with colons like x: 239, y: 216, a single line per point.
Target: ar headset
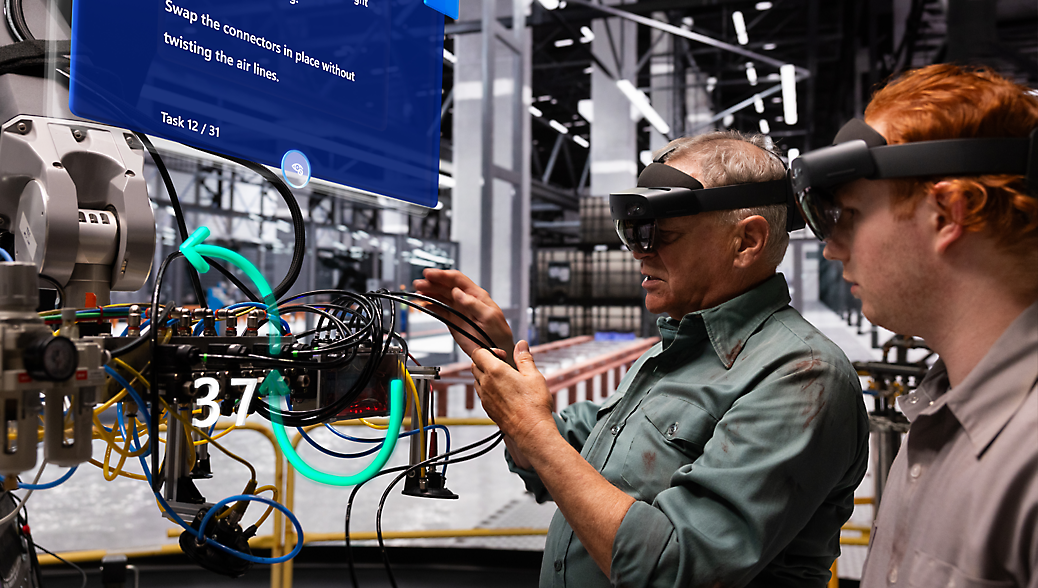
x: 665, y: 192
x: 859, y: 151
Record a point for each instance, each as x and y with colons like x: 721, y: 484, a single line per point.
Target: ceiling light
x: 589, y: 69
x: 449, y: 56
x: 740, y: 28
x: 769, y: 46
x: 789, y: 93
x: 728, y: 120
x: 549, y: 4
x: 558, y: 126
x: 588, y: 34
x: 581, y: 141
x: 763, y: 5
x: 641, y: 102
x: 536, y: 111
x: 711, y: 83
x: 687, y: 22
x: 751, y: 73
x: 586, y: 109
x: 764, y: 126
x: 793, y: 153
x: 758, y: 104
x: 563, y: 42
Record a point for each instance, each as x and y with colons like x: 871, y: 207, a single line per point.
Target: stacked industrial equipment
x: 590, y: 288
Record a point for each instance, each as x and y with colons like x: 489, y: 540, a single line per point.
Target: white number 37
x: 213, y: 391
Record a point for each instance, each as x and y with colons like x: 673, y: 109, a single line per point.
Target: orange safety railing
x: 617, y: 362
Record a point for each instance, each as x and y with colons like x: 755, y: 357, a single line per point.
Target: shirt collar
x: 994, y: 390
x: 731, y: 323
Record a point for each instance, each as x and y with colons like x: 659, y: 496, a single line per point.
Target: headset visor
x: 637, y: 235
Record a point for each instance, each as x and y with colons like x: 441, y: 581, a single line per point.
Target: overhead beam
x: 687, y: 34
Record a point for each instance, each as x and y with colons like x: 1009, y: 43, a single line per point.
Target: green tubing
x: 275, y: 385
x: 193, y: 249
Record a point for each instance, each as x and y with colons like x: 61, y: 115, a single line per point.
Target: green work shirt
x: 742, y: 436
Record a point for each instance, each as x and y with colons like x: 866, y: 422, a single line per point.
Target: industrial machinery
x: 75, y: 215
x: 890, y: 378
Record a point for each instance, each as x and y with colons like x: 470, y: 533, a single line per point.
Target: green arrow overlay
x: 193, y: 249
x: 274, y: 384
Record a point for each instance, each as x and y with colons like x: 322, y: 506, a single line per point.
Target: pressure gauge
x: 49, y: 358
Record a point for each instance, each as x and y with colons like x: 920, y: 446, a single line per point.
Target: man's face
x: 883, y: 255
x: 691, y: 259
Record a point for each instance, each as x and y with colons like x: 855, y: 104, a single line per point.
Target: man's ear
x: 948, y: 214
x: 751, y: 236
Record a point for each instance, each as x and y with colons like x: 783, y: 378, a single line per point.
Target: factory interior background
x: 547, y: 106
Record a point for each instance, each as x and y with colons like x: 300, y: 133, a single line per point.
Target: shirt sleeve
x: 575, y: 423
x: 765, y: 474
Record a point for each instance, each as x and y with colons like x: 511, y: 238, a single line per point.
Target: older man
x: 935, y: 218
x: 729, y: 454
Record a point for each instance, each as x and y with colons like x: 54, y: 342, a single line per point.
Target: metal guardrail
x: 567, y: 378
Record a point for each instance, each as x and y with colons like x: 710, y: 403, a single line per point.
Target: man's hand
x: 518, y: 401
x: 456, y: 290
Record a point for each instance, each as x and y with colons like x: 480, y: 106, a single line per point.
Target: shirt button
x: 613, y: 430
x: 672, y: 429
x: 892, y: 576
x: 915, y: 471
x: 913, y: 399
x: 558, y: 565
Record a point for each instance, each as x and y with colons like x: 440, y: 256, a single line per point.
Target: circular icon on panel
x: 295, y: 168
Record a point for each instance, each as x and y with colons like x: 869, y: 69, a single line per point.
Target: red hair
x: 951, y: 102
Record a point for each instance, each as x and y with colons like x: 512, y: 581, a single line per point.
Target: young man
x: 942, y: 243
x: 730, y: 452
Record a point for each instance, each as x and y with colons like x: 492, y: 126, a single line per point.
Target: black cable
x: 487, y: 342
x: 369, y: 304
x: 372, y: 332
x: 298, y: 226
x: 381, y: 503
x: 65, y: 561
x: 234, y: 280
x: 178, y: 213
x: 58, y: 287
x: 443, y: 457
x: 339, y: 325
x: 16, y: 21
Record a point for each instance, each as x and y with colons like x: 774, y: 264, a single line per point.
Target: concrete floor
x: 88, y: 513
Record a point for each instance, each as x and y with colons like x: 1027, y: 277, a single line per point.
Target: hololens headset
x: 664, y: 192
x: 859, y: 151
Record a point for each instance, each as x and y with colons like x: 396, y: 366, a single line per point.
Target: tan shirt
x: 960, y: 508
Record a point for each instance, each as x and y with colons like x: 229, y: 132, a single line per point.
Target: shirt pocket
x: 671, y: 435
x: 930, y: 572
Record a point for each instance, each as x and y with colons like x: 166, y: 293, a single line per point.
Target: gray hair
x: 724, y: 158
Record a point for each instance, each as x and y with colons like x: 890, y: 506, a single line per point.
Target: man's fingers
x: 487, y: 362
x: 471, y: 306
x: 523, y: 358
